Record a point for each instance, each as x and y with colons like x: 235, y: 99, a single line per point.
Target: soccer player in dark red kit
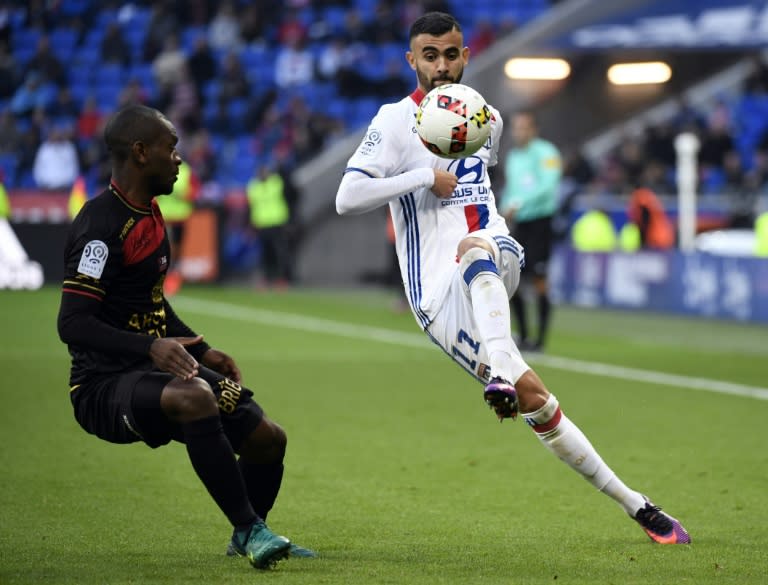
x: 138, y: 372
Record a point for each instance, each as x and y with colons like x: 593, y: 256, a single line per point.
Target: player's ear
x: 411, y: 60
x: 465, y: 54
x: 139, y: 152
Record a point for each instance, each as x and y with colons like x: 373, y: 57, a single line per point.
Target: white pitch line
x: 368, y: 333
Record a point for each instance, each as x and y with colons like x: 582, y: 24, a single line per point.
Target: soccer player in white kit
x: 460, y: 266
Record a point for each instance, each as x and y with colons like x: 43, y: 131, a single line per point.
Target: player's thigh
x: 125, y: 408
x: 454, y: 329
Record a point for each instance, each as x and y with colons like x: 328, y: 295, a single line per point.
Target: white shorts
x: 454, y: 328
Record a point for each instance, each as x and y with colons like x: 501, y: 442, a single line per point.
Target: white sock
x: 558, y: 434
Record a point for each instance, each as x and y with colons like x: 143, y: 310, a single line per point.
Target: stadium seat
x: 75, y: 7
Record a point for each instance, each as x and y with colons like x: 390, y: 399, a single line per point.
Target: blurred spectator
x: 291, y: 29
x: 350, y: 82
x: 167, y: 66
x: 757, y: 81
x: 202, y: 64
x: 63, y: 106
x: 653, y: 227
x: 257, y: 110
x: 392, y: 84
x: 741, y: 190
x: 594, y: 232
x: 162, y: 23
x: 224, y: 29
x: 233, y: 82
x: 631, y: 157
x: 221, y: 122
x: 482, y: 37
x: 660, y: 144
x: 182, y: 103
x: 199, y: 153
x: 270, y: 216
x: 56, y: 162
x: 385, y: 25
x: 132, y: 93
x: 687, y: 118
x: 9, y: 73
x: 10, y: 135
x: 253, y: 23
x: 46, y: 63
x: 656, y: 177
x: 114, y: 49
x: 89, y: 121
x: 33, y: 94
x: 716, y: 141
x: 294, y: 64
x: 5, y: 27
x: 331, y: 58
x: 355, y: 28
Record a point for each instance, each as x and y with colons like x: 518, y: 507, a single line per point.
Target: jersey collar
x: 418, y: 95
x: 120, y: 195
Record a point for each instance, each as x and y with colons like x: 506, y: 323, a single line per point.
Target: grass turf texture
x: 396, y: 472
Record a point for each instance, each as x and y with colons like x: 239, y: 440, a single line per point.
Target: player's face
x: 438, y: 60
x: 164, y: 160
x: 523, y: 129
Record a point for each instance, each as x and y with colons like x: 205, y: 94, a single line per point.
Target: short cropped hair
x: 435, y: 24
x: 135, y: 123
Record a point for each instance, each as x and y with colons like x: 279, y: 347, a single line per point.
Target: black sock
x: 262, y: 481
x: 544, y: 312
x: 214, y: 461
x: 518, y: 308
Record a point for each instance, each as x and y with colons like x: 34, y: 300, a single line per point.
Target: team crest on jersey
x: 370, y: 142
x: 469, y: 170
x: 471, y: 189
x: 94, y: 259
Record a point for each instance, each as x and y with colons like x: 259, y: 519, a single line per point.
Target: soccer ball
x: 453, y: 121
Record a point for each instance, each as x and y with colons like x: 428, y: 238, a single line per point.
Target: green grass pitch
x: 396, y: 471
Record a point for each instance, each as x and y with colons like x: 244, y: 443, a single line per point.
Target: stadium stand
x: 81, y: 36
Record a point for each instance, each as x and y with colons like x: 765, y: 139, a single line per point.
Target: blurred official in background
x: 529, y: 202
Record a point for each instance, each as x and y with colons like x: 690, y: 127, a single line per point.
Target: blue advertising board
x: 698, y: 284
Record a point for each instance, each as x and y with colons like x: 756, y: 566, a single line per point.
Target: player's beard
x: 430, y: 84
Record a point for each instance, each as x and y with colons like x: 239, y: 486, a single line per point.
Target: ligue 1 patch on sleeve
x: 370, y: 143
x: 94, y: 259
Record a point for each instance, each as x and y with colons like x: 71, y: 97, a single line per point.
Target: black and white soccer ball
x: 453, y: 121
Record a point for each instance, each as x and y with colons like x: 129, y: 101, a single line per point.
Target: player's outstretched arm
x: 359, y: 193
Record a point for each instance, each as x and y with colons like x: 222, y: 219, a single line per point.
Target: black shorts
x: 125, y: 408
x: 537, y: 238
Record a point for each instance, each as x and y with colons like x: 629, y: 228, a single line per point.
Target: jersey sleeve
x: 92, y: 256
x: 372, y: 176
x: 497, y: 131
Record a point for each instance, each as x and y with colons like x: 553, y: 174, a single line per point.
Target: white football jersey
x: 428, y: 229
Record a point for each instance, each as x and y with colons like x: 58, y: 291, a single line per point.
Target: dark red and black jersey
x: 113, y: 308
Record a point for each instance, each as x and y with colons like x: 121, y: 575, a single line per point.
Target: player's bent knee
x: 265, y: 444
x: 476, y: 262
x: 186, y: 400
